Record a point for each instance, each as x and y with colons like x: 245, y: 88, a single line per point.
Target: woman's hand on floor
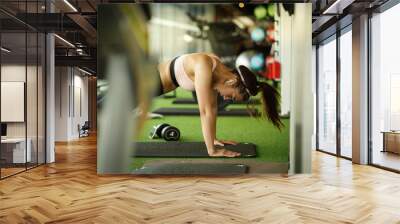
x: 223, y: 153
x: 223, y: 142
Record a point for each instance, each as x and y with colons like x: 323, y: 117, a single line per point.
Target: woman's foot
x: 223, y: 153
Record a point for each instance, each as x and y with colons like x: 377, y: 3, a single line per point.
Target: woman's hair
x: 271, y: 104
x: 270, y: 100
x: 242, y: 91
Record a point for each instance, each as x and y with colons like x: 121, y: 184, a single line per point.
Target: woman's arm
x: 207, y: 100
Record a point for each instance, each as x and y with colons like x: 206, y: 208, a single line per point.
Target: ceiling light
x: 5, y: 50
x: 187, y: 38
x: 337, y: 7
x: 171, y: 23
x: 70, y: 5
x: 84, y: 71
x: 64, y: 40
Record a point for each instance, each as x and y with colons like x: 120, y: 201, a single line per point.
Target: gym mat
x: 192, y: 101
x: 192, y: 168
x: 194, y: 111
x: 187, y: 149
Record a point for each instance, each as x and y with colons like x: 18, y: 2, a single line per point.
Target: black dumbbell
x: 165, y: 131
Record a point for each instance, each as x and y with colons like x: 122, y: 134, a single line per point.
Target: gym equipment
x: 273, y: 71
x: 225, y: 38
x: 187, y: 149
x: 257, y: 62
x: 165, y: 131
x: 270, y: 35
x: 257, y: 34
x: 271, y: 10
x: 260, y: 12
x: 261, y: 48
x: 193, y: 101
x: 191, y: 168
x: 195, y: 112
x: 244, y: 58
x: 154, y: 116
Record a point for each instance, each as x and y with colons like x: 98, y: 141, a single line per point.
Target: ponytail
x: 271, y: 104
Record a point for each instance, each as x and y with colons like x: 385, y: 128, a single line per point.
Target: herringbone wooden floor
x: 69, y: 191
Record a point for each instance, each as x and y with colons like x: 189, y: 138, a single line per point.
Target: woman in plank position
x: 205, y: 74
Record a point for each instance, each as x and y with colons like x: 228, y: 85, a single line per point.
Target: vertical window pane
x: 31, y: 97
x: 41, y: 98
x: 327, y: 97
x: 32, y: 86
x: 14, y: 148
x: 346, y: 94
x: 22, y: 88
x: 386, y: 89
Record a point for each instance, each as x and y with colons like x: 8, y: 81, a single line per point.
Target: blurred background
x: 237, y: 33
x: 259, y: 36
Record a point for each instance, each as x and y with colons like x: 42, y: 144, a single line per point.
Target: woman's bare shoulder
x: 204, y: 57
x: 213, y: 55
x: 200, y: 58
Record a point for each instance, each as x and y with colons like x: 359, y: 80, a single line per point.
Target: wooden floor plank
x: 70, y: 191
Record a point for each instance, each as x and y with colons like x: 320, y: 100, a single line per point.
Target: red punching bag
x: 273, y: 71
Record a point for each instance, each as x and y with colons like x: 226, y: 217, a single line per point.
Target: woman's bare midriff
x: 165, y: 77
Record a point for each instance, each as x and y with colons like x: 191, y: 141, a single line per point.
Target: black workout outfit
x: 172, y: 73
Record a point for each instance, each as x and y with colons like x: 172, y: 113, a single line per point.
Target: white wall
x: 79, y: 117
x: 70, y: 83
x: 301, y: 115
x: 61, y: 103
x: 13, y: 73
x: 286, y: 35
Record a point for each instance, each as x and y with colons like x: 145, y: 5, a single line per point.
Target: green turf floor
x: 272, y: 145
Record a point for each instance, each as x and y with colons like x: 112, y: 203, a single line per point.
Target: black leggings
x: 160, y: 90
